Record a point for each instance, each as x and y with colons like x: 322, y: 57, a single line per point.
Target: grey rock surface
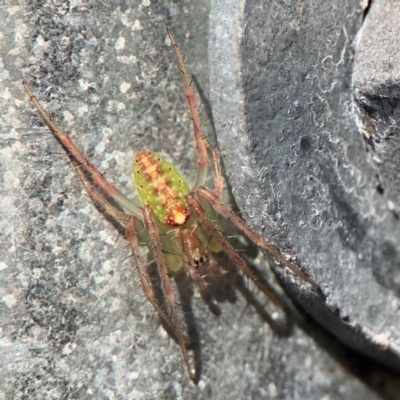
x: 298, y: 162
x: 376, y: 86
x: 73, y: 321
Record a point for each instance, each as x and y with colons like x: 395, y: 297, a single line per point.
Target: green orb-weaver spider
x: 170, y: 206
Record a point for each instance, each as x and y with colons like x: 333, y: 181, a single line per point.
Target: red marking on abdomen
x: 151, y: 170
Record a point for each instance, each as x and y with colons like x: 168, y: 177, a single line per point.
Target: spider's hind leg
x: 202, y: 217
x: 79, y: 159
x: 222, y: 209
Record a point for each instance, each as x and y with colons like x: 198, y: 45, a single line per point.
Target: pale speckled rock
x: 73, y: 321
x: 298, y: 164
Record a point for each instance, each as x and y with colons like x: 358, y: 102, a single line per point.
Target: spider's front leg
x: 201, y: 141
x: 132, y: 226
x: 151, y: 226
x: 132, y: 238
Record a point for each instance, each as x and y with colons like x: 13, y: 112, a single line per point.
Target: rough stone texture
x: 376, y: 83
x: 73, y: 321
x: 289, y: 133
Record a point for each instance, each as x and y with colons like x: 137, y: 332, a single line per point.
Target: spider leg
x: 132, y: 226
x: 218, y: 205
x: 201, y: 141
x: 202, y: 217
x: 215, y: 269
x: 132, y: 238
x: 197, y: 279
x: 97, y: 197
x: 77, y: 155
x: 218, y: 177
x: 151, y: 226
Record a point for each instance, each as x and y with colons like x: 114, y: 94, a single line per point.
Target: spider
x: 176, y: 220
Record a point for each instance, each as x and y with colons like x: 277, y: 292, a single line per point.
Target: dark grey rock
x: 376, y: 86
x: 300, y: 167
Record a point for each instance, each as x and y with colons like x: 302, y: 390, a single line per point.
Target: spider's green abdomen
x: 161, y: 185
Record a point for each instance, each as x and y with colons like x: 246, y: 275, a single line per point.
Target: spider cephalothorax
x: 179, y: 220
x: 194, y: 246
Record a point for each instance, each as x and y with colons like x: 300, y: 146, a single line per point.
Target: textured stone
x: 299, y: 165
x: 73, y: 320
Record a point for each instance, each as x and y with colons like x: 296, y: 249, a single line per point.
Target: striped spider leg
x: 177, y: 219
